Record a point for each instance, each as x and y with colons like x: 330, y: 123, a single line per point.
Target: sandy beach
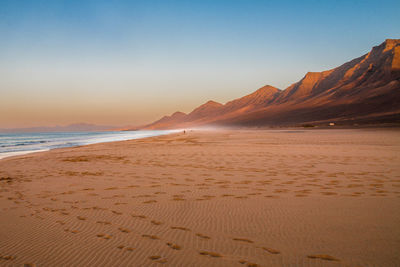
x: 207, y: 198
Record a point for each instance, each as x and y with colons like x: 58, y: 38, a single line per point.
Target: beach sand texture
x: 207, y: 198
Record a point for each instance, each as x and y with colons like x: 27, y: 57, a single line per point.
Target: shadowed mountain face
x: 364, y: 90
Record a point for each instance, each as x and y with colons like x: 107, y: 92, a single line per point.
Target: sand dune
x: 223, y: 198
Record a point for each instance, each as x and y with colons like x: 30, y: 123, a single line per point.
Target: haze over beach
x: 199, y: 133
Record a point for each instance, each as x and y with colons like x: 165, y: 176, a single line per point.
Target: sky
x: 131, y: 62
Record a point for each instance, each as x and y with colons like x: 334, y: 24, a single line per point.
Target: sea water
x: 12, y: 144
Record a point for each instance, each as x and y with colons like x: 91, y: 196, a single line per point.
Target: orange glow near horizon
x: 128, y: 63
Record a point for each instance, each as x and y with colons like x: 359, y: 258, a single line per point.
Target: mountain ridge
x: 365, y: 87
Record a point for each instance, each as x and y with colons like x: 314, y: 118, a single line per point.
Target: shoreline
x: 22, y: 153
x: 299, y: 128
x: 277, y: 129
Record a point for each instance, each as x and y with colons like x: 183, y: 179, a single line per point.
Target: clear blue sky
x: 129, y: 62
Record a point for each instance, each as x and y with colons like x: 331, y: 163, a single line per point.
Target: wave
x: 17, y: 144
x: 24, y: 143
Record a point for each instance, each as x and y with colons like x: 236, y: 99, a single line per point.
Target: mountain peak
x: 316, y: 75
x: 212, y: 103
x: 207, y: 109
x: 390, y: 44
x: 387, y: 45
x: 267, y: 88
x: 311, y: 76
x: 304, y: 87
x: 264, y: 91
x: 178, y: 114
x: 258, y: 99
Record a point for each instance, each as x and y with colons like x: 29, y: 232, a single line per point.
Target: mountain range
x: 363, y: 90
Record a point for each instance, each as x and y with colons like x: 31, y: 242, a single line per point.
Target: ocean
x: 12, y: 144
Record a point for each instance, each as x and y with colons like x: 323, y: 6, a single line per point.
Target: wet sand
x: 207, y: 198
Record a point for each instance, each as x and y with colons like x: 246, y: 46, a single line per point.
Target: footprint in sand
x: 253, y: 194
x: 322, y: 257
x: 158, y: 259
x: 124, y: 230
x: 203, y: 236
x: 210, y: 254
x: 153, y: 237
x: 242, y: 197
x: 71, y: 231
x: 150, y: 201
x: 156, y: 222
x: 87, y: 189
x: 329, y: 193
x: 281, y: 190
x: 7, y: 257
x: 98, y: 208
x: 111, y: 188
x: 104, y: 236
x: 248, y: 264
x: 180, y: 228
x: 139, y: 216
x: 174, y: 246
x: 145, y: 195
x: 243, y: 240
x: 116, y: 212
x: 70, y: 192
x: 271, y: 250
x: 103, y: 222
x: 126, y: 248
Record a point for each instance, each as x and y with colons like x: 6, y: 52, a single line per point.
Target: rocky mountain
x: 363, y: 90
